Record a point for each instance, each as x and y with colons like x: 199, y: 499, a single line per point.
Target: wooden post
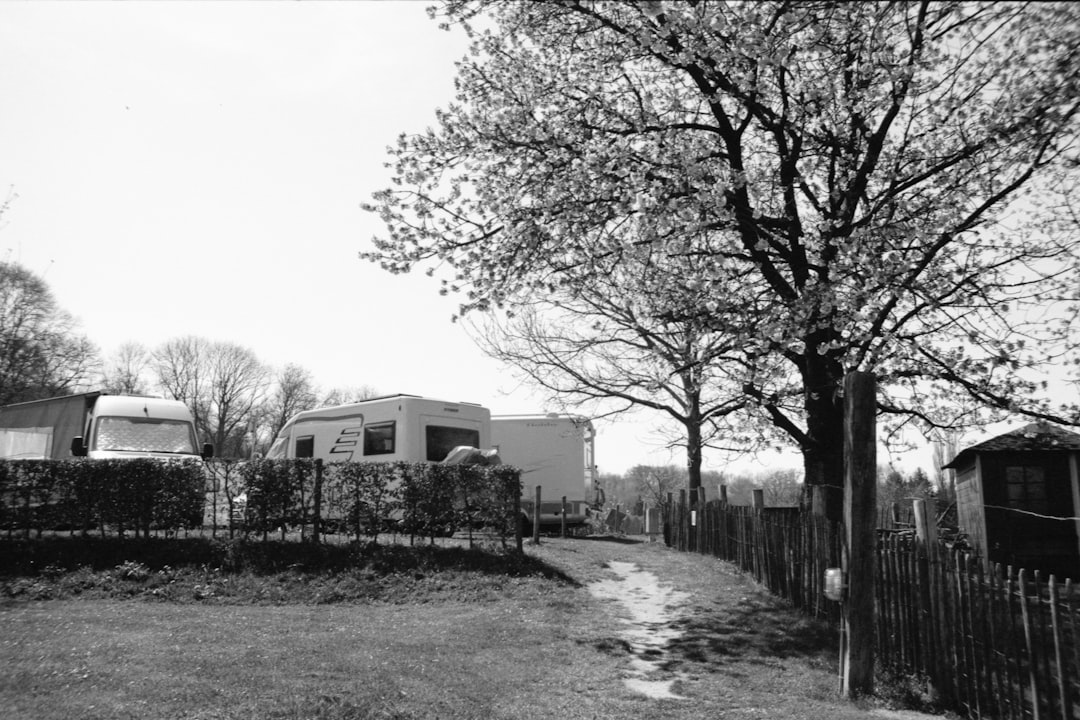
x: 926, y: 532
x: 723, y: 494
x: 536, y: 518
x: 316, y: 519
x: 701, y: 536
x: 684, y: 522
x: 759, y: 499
x: 563, y: 516
x: 860, y: 518
x: 669, y: 519
x: 519, y: 525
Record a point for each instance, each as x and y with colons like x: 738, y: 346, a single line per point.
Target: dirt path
x: 694, y: 632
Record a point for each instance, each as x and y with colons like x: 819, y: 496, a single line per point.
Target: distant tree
x: 125, y: 371
x: 347, y: 395
x: 616, y: 488
x: 740, y: 488
x: 41, y: 353
x: 653, y: 482
x: 616, y: 343
x: 945, y: 449
x: 223, y: 384
x: 869, y: 186
x: 894, y: 486
x: 782, y: 487
x: 238, y: 383
x: 181, y: 372
x: 293, y: 391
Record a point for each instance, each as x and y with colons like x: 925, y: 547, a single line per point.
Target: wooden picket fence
x: 1003, y: 643
x: 783, y: 548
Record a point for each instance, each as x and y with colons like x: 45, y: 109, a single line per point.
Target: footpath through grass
x: 390, y: 632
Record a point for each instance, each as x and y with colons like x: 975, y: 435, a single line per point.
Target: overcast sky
x: 196, y: 168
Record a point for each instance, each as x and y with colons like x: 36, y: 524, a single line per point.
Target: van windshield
x: 135, y: 434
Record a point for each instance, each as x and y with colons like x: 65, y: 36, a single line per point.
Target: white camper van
x: 99, y: 425
x: 396, y: 427
x: 556, y: 452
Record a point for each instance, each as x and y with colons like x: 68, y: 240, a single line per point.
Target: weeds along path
x: 691, y: 631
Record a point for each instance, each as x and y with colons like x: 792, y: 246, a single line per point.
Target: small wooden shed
x: 1018, y: 498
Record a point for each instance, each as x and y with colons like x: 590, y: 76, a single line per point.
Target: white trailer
x: 396, y: 427
x: 556, y: 452
x: 99, y: 425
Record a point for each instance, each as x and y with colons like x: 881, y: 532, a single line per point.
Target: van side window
x: 379, y: 438
x: 305, y: 446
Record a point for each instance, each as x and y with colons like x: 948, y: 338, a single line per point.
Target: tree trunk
x: 823, y: 449
x: 693, y: 458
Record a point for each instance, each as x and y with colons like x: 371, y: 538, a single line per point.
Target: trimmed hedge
x: 134, y: 495
x: 262, y: 497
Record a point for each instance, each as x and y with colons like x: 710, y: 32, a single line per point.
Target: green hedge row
x: 134, y: 495
x: 261, y: 497
x: 364, y: 499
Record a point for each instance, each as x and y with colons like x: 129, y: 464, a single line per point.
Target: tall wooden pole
x: 536, y: 517
x: 860, y: 512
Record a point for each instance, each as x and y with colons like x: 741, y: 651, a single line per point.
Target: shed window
x: 1026, y: 487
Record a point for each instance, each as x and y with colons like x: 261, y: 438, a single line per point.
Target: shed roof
x: 1036, y: 436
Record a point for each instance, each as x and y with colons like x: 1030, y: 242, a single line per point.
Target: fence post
x: 723, y: 493
x: 669, y: 519
x: 860, y: 518
x: 519, y: 524
x: 563, y: 516
x: 926, y: 532
x: 701, y: 519
x: 316, y: 519
x: 536, y: 518
x: 684, y: 521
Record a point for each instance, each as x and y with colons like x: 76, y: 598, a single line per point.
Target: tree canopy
x: 872, y: 186
x: 41, y: 354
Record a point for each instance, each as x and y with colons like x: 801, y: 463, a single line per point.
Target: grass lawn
x: 399, y: 634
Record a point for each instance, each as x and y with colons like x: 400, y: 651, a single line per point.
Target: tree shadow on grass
x: 755, y: 629
x: 618, y: 539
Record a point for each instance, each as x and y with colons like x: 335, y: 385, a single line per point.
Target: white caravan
x: 397, y: 427
x: 556, y: 452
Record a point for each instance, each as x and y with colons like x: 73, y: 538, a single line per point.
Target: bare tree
x: 618, y: 343
x: 294, y: 391
x: 221, y: 382
x: 41, y: 354
x: 237, y: 385
x: 653, y: 483
x: 125, y: 371
x: 180, y: 369
x: 346, y: 395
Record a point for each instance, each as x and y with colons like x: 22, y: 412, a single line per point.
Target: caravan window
x: 379, y: 438
x: 441, y: 440
x: 305, y: 446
